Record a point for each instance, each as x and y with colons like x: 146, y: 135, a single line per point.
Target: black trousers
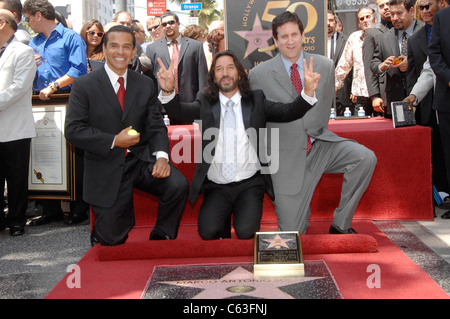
x: 241, y: 200
x: 444, y: 129
x: 112, y: 224
x: 14, y: 168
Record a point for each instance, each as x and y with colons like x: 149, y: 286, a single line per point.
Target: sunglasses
x: 150, y: 29
x: 425, y: 6
x: 365, y: 17
x: 99, y: 34
x: 171, y: 22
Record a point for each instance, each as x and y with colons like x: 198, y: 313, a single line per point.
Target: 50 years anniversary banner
x: 249, y: 27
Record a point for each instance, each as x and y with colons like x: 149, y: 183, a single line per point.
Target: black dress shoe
x: 156, y: 236
x: 16, y: 230
x: 94, y: 240
x: 75, y: 218
x: 445, y: 204
x: 44, y: 219
x: 335, y: 230
x: 446, y: 215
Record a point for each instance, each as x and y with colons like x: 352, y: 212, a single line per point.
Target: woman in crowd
x: 92, y: 33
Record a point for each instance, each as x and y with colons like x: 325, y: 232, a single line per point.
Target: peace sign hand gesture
x: 311, y: 78
x: 166, y: 78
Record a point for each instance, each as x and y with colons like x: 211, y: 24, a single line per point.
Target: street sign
x: 191, y: 6
x: 156, y: 7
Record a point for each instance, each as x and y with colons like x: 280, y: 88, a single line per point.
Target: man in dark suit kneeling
x: 105, y: 107
x: 232, y: 175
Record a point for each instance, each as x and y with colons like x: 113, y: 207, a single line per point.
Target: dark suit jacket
x: 375, y: 84
x: 439, y: 53
x: 94, y: 116
x: 388, y: 46
x: 256, y: 112
x: 343, y: 94
x: 192, y: 67
x: 417, y: 55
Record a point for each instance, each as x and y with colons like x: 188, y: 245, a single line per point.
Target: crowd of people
x: 120, y: 87
x: 388, y: 61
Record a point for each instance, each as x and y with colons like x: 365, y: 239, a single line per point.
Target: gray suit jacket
x: 376, y: 85
x: 192, y: 67
x: 271, y: 77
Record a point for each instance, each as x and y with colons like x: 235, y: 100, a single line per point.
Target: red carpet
x: 400, y: 276
x: 123, y: 271
x: 181, y: 248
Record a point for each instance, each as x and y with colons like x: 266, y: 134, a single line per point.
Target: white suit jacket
x: 17, y: 72
x: 425, y: 82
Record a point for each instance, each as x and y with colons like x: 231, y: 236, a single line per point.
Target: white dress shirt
x: 247, y: 159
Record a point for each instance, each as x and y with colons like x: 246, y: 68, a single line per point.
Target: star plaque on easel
x: 278, y: 254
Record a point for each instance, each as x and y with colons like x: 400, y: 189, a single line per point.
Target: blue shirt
x: 64, y: 52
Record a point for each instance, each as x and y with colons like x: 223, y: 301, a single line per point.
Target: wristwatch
x: 54, y: 86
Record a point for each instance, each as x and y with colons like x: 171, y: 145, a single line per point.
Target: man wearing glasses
x: 60, y: 52
x: 189, y: 59
x: 155, y: 29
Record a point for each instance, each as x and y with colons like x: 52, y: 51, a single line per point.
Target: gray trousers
x: 354, y: 160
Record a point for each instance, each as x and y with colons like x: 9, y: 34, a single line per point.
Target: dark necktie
x: 175, y: 54
x: 121, y: 92
x: 332, y: 47
x: 404, y: 44
x: 405, y: 53
x: 296, y: 80
x: 428, y: 33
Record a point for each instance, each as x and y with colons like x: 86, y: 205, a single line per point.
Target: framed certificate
x: 51, y: 173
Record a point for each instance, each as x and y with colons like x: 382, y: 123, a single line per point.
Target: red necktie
x: 296, y: 80
x: 175, y: 54
x: 121, y: 92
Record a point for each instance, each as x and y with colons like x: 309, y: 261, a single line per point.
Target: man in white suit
x: 299, y: 169
x: 17, y: 71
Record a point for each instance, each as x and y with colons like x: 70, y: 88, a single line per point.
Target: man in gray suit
x: 299, y: 169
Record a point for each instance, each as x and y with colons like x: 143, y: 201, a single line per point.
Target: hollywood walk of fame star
x: 241, y: 282
x: 257, y: 38
x: 278, y: 242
